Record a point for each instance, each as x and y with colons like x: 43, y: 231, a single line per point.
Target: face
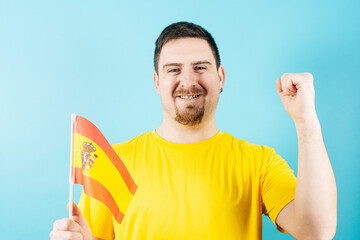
x: 188, y: 81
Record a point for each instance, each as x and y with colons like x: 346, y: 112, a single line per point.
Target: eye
x: 173, y: 70
x: 200, y: 68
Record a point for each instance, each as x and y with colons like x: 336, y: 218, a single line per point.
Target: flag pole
x: 72, y: 162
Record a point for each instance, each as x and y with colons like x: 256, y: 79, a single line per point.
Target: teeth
x: 188, y: 97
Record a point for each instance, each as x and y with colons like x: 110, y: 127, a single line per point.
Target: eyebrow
x: 180, y: 64
x: 201, y: 62
x: 172, y: 64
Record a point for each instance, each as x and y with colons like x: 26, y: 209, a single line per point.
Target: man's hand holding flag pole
x: 95, y: 165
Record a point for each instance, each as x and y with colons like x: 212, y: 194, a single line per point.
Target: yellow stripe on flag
x: 103, y: 171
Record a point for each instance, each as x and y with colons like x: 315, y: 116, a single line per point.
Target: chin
x: 190, y: 119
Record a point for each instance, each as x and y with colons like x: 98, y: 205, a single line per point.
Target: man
x: 196, y: 182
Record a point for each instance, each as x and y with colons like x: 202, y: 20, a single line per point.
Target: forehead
x: 186, y: 50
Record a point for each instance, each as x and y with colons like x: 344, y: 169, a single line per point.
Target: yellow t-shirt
x: 214, y: 189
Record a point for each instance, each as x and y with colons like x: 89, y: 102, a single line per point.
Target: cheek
x: 167, y: 87
x: 211, y: 84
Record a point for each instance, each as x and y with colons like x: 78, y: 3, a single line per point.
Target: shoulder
x: 248, y: 149
x: 130, y: 144
x: 244, y: 144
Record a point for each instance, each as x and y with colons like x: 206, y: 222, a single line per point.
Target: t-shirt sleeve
x: 278, y: 184
x: 98, y: 217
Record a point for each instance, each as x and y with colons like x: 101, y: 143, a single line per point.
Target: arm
x: 313, y: 213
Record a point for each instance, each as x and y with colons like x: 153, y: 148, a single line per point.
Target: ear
x: 156, y: 82
x: 221, y: 73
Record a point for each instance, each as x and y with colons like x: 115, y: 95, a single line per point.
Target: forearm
x: 315, y: 204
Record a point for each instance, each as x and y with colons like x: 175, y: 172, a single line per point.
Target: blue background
x: 94, y: 58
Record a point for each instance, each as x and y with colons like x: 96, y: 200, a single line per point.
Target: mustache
x: 191, y: 91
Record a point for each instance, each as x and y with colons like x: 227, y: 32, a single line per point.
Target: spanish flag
x: 96, y: 166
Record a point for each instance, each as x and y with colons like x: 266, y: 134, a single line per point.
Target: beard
x: 191, y: 114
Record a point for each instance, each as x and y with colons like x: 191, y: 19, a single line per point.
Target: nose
x: 188, y: 78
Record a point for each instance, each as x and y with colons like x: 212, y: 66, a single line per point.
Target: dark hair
x: 184, y: 30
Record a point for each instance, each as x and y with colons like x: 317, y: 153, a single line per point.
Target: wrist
x: 304, y: 119
x: 307, y: 126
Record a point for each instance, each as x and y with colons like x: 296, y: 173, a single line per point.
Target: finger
x: 76, y: 214
x: 287, y: 84
x: 65, y: 235
x: 73, y: 208
x: 66, y: 224
x: 278, y: 86
x: 307, y: 76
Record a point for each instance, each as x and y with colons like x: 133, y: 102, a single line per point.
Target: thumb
x: 76, y: 214
x: 79, y: 219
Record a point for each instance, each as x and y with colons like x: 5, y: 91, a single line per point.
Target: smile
x: 189, y: 96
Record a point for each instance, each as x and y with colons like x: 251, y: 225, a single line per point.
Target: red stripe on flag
x: 96, y: 190
x: 87, y: 129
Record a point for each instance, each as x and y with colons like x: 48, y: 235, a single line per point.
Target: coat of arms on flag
x: 88, y: 155
x: 96, y: 166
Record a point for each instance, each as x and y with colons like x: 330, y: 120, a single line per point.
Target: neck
x: 173, y: 131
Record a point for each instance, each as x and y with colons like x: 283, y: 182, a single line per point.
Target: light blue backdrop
x: 94, y: 58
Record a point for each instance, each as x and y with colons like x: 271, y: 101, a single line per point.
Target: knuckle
x: 62, y: 224
x: 67, y: 224
x: 308, y: 76
x: 73, y: 236
x: 57, y: 223
x: 65, y: 235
